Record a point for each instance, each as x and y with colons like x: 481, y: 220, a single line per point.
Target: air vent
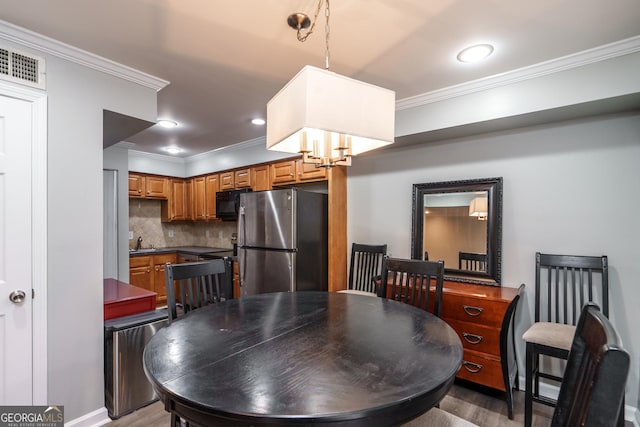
x: 19, y: 67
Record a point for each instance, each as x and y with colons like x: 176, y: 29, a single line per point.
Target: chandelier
x: 328, y: 117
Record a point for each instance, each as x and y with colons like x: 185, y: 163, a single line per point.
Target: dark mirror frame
x: 493, y: 186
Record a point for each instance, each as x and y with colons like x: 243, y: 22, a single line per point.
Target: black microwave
x: 228, y: 203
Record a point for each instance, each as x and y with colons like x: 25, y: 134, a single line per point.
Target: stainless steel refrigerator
x: 282, y: 241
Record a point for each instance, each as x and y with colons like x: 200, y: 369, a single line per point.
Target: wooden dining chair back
x: 366, y: 264
x: 472, y: 262
x: 196, y: 284
x: 564, y: 284
x: 410, y: 280
x: 592, y: 392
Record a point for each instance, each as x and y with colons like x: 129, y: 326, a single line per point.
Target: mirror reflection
x: 459, y: 222
x: 455, y: 229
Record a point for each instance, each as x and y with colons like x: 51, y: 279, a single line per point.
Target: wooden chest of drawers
x: 482, y: 316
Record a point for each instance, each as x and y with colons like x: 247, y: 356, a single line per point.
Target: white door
x: 16, y: 368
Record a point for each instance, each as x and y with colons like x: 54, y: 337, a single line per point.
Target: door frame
x: 38, y: 100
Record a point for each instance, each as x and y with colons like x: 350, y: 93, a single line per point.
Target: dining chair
x: 196, y: 284
x: 563, y: 285
x: 365, y: 266
x: 592, y: 392
x: 472, y: 261
x: 409, y: 281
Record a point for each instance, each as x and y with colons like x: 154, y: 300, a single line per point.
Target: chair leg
x: 528, y: 392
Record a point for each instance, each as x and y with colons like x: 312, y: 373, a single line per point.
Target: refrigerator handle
x: 241, y: 242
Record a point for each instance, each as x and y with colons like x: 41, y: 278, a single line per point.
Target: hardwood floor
x: 483, y: 409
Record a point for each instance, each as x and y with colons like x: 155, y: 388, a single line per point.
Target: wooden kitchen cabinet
x: 211, y: 188
x: 242, y: 178
x: 295, y: 171
x: 283, y: 172
x: 140, y: 268
x: 148, y: 186
x: 159, y: 282
x: 204, y: 197
x: 147, y: 272
x: 309, y: 172
x: 179, y: 206
x: 199, y: 198
x: 227, y: 181
x: 261, y: 178
x: 236, y: 280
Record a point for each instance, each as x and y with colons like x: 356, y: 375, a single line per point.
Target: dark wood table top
x: 303, y: 358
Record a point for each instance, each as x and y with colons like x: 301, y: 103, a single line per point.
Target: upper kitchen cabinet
x: 295, y: 171
x: 261, y: 178
x: 242, y: 178
x: 179, y: 206
x: 227, y: 181
x: 204, y: 197
x: 239, y: 178
x: 148, y: 186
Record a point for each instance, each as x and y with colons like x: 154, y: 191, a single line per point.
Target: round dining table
x: 303, y: 358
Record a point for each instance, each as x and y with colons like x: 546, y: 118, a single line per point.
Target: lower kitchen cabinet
x: 147, y: 272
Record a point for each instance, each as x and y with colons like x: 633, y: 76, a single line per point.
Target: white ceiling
x: 226, y: 58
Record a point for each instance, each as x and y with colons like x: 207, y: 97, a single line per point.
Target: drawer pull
x: 472, y: 311
x: 474, y: 368
x: 472, y: 338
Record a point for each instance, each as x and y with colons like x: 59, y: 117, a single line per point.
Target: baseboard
x: 631, y: 413
x: 92, y: 419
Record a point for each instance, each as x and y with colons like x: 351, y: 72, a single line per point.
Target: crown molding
x: 579, y: 59
x: 154, y: 156
x: 24, y: 37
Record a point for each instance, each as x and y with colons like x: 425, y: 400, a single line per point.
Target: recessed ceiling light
x: 172, y: 150
x: 258, y: 122
x: 167, y: 123
x: 475, y: 53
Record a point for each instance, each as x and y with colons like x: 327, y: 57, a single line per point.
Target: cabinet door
x: 261, y: 179
x: 159, y: 280
x: 136, y: 185
x: 283, y: 172
x: 141, y: 277
x: 156, y: 187
x: 199, y: 199
x: 227, y: 181
x: 181, y: 200
x: 309, y: 172
x: 211, y: 188
x: 242, y: 178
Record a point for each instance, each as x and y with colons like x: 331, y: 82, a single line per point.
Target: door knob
x: 17, y: 297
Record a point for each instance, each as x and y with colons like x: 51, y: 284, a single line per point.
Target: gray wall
x: 77, y: 96
x: 570, y: 187
x: 116, y: 158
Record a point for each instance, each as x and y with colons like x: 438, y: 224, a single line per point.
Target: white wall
x: 571, y: 187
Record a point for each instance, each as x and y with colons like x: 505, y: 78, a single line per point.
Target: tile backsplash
x: 144, y: 220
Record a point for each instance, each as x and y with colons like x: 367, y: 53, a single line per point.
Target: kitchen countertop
x: 191, y: 250
x: 122, y: 299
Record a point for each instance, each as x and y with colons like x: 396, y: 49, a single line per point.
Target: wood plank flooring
x: 484, y: 409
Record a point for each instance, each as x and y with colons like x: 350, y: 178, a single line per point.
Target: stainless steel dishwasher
x: 126, y: 386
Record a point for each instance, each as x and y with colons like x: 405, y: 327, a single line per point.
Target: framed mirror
x: 460, y: 222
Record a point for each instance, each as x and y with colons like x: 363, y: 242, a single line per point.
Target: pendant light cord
x: 327, y: 30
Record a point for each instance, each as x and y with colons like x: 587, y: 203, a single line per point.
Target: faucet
x: 139, y: 243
